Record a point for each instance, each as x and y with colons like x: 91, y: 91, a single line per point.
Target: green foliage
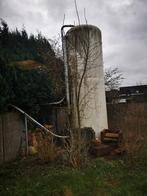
x: 99, y: 178
x: 6, y: 90
x: 17, y: 45
x: 33, y: 87
x: 28, y: 89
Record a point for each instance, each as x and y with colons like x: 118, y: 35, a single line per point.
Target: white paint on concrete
x: 85, y: 41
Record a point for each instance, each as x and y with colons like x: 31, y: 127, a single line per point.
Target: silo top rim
x: 83, y: 26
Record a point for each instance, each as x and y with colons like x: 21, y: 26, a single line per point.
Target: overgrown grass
x: 101, y: 177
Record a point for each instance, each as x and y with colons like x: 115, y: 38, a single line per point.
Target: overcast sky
x: 123, y: 24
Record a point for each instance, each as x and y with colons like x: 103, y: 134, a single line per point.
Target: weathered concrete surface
x: 84, y: 52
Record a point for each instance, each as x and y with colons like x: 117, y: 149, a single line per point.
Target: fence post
x: 26, y: 133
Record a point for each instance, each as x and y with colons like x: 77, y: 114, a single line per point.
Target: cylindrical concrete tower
x: 86, y: 78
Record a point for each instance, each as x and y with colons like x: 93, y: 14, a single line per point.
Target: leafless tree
x: 56, y: 46
x: 113, y: 78
x: 81, y: 59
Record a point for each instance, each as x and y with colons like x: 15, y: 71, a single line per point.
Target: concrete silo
x: 84, y: 65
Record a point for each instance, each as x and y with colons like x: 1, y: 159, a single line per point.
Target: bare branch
x: 85, y: 16
x: 77, y: 12
x: 113, y: 78
x: 63, y: 20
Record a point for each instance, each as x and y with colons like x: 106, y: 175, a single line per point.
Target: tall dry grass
x: 47, y: 149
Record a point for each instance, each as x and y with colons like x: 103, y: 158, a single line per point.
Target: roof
x: 133, y: 89
x: 29, y: 64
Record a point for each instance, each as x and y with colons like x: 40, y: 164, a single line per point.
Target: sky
x: 123, y: 24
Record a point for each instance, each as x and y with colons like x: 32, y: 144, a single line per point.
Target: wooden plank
x: 110, y: 139
x: 111, y: 135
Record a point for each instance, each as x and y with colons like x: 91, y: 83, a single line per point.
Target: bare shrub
x: 76, y: 153
x: 77, y: 147
x: 47, y: 149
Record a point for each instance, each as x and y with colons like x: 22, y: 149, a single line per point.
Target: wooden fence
x: 128, y: 117
x: 11, y: 127
x: 131, y: 117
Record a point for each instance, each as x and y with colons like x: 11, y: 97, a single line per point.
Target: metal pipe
x: 37, y: 123
x: 66, y: 64
x: 56, y: 103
